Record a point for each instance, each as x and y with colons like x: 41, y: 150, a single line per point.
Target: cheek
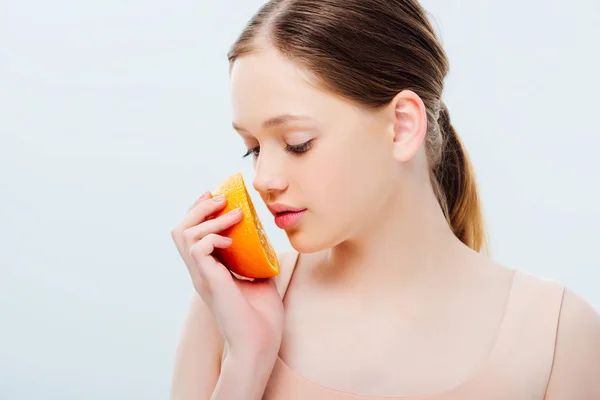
x: 331, y: 172
x: 330, y: 181
x: 356, y: 177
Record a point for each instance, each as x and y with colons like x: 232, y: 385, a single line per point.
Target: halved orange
x: 251, y: 254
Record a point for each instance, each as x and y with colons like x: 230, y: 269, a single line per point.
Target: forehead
x: 264, y: 84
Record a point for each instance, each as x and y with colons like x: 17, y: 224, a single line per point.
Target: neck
x: 409, y: 245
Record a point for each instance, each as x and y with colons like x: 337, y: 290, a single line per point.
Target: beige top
x: 518, y: 366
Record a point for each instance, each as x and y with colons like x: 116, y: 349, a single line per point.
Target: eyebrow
x: 274, y: 122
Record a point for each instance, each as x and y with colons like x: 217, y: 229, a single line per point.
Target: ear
x: 408, y: 124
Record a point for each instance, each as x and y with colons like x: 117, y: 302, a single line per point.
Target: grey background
x: 114, y: 116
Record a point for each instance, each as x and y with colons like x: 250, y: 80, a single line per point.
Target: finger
x: 204, y: 247
x: 202, y: 211
x: 212, y: 273
x: 197, y: 232
x: 205, y: 196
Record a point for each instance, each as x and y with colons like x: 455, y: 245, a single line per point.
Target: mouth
x: 288, y: 219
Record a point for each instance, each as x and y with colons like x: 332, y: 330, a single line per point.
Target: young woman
x: 388, y: 292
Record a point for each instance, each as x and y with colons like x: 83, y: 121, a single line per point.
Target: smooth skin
x: 380, y: 274
x: 247, y: 317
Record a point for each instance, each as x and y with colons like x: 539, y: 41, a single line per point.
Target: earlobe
x: 409, y: 124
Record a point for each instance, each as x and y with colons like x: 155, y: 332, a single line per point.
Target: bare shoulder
x: 576, y: 368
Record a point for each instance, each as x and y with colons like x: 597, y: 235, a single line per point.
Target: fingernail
x: 235, y: 212
x: 219, y: 198
x: 228, y: 239
x: 204, y: 195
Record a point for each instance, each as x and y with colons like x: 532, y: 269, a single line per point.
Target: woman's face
x: 332, y: 158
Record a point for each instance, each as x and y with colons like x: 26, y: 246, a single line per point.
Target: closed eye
x: 299, y: 148
x: 296, y: 149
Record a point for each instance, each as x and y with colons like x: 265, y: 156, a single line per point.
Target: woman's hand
x: 249, y: 314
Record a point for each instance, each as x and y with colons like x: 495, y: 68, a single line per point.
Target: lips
x: 288, y: 219
x: 279, y: 208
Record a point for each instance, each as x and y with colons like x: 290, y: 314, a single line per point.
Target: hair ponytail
x: 456, y: 188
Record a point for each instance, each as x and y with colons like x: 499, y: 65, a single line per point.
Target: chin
x: 307, y: 241
x: 304, y: 243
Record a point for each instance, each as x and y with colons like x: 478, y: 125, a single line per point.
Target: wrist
x: 258, y: 356
x: 253, y: 360
x: 244, y: 377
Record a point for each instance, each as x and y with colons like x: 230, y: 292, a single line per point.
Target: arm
x: 243, y: 379
x: 576, y: 368
x: 198, y: 372
x: 198, y: 356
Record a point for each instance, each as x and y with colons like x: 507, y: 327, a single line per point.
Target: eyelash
x: 297, y: 149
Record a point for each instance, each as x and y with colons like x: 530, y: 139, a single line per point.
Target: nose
x: 269, y: 176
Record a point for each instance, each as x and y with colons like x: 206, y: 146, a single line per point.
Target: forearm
x: 243, y: 379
